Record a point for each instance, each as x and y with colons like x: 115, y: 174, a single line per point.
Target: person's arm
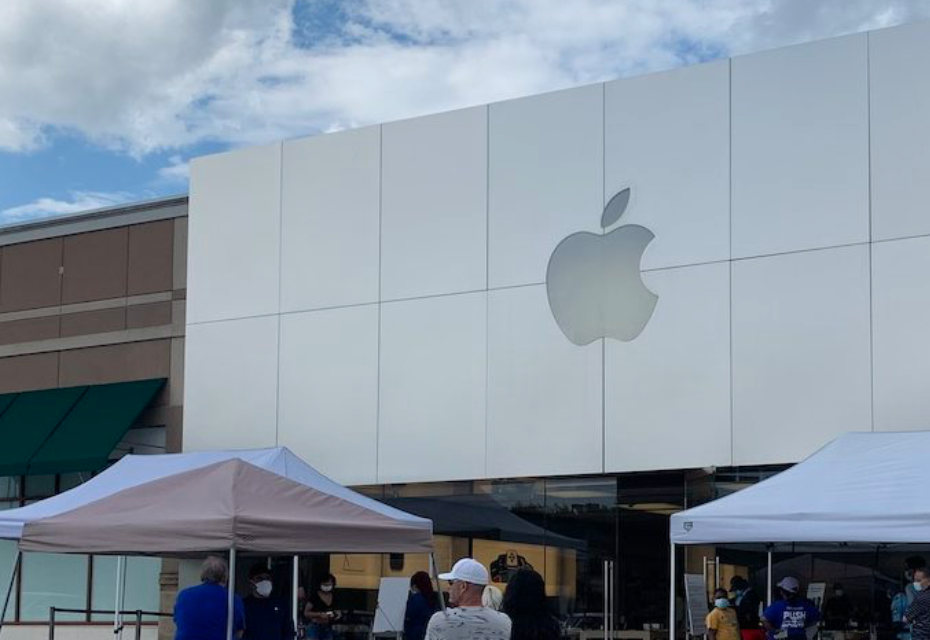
x: 238, y: 617
x: 711, y: 623
x: 769, y: 618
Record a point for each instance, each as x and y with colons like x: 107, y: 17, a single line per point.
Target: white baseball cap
x: 789, y: 584
x: 467, y: 570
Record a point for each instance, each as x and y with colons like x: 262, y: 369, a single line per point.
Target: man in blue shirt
x: 792, y: 617
x: 200, y: 612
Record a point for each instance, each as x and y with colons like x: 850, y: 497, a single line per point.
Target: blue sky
x: 105, y: 101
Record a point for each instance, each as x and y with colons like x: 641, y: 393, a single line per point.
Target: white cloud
x: 80, y: 201
x: 143, y: 77
x: 176, y: 172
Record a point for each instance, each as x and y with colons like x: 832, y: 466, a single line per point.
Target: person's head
x: 214, y: 571
x: 838, y: 589
x: 789, y: 588
x: 420, y: 583
x: 739, y: 584
x: 492, y: 597
x: 467, y: 581
x: 721, y: 601
x: 526, y: 594
x: 911, y: 564
x: 327, y: 583
x: 922, y: 579
x: 260, y: 580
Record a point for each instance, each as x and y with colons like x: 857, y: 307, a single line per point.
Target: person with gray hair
x: 200, y: 611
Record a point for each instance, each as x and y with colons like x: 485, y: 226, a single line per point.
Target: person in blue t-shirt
x: 200, y: 612
x: 792, y: 617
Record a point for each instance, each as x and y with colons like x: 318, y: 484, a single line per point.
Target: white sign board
x: 696, y: 594
x: 816, y: 592
x: 392, y: 605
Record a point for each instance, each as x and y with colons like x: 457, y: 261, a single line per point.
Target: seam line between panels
x: 277, y: 404
x: 730, y: 240
x: 487, y: 285
x: 868, y: 86
x: 603, y: 340
x: 380, y: 307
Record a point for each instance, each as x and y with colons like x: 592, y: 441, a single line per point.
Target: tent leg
x: 769, y: 578
x: 9, y: 593
x: 231, y: 594
x: 435, y: 571
x: 671, y: 594
x: 117, y: 605
x: 295, y: 586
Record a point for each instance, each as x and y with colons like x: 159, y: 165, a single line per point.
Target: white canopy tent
x: 265, y: 501
x: 860, y: 488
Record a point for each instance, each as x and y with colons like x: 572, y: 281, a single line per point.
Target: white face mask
x: 263, y: 588
x: 918, y: 586
x: 721, y: 603
x: 326, y: 588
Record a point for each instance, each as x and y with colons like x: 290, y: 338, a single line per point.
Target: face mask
x: 839, y: 593
x: 918, y: 586
x: 721, y: 603
x: 263, y: 588
x: 326, y: 588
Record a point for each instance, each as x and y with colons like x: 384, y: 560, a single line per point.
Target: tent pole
x: 9, y: 593
x: 671, y: 595
x: 230, y: 593
x: 295, y: 586
x: 768, y: 578
x: 435, y: 571
x: 117, y: 618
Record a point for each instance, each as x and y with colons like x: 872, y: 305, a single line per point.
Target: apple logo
x: 594, y: 283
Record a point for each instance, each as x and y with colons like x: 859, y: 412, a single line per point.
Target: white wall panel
x: 801, y: 363
x: 900, y: 90
x: 800, y: 147
x: 434, y: 205
x: 668, y: 139
x: 544, y: 393
x: 546, y: 179
x: 330, y: 220
x: 668, y: 392
x: 231, y: 384
x: 328, y: 391
x: 901, y: 339
x: 433, y: 377
x: 234, y: 234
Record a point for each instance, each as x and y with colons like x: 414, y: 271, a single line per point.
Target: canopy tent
x: 139, y: 473
x: 860, y: 488
x: 265, y: 501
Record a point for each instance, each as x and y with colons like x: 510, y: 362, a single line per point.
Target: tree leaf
x: 615, y: 208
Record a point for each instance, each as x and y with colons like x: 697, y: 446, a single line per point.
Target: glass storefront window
x: 9, y: 487
x: 53, y: 580
x: 142, y: 590
x: 7, y: 558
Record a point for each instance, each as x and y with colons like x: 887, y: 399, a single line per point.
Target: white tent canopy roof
x: 860, y: 488
x: 135, y: 470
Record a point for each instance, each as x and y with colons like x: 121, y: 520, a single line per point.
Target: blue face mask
x: 918, y: 586
x: 721, y: 603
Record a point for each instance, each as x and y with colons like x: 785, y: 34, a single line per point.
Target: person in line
x: 200, y: 611
x: 838, y: 610
x: 793, y: 617
x: 747, y: 609
x: 898, y: 611
x: 492, y: 597
x: 912, y: 564
x: 266, y: 617
x: 722, y: 622
x: 422, y: 603
x: 918, y: 612
x: 468, y: 620
x: 320, y: 610
x: 525, y: 605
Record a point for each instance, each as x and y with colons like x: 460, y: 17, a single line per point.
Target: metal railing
x: 138, y: 613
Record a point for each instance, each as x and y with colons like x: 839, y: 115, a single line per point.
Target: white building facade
x: 376, y: 299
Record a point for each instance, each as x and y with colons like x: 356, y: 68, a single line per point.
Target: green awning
x: 92, y: 429
x: 6, y: 400
x: 28, y: 421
